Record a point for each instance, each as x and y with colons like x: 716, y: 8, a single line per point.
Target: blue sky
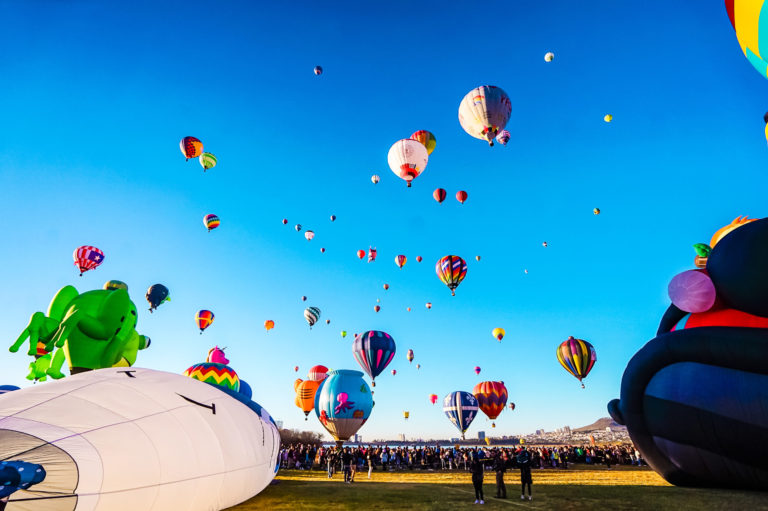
x: 95, y: 99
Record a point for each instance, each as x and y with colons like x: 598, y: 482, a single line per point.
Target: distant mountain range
x: 600, y: 424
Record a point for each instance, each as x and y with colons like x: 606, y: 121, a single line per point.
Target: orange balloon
x: 305, y: 396
x: 269, y: 325
x: 461, y: 196
x: 191, y: 147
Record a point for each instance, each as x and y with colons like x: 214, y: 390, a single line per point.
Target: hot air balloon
x: 211, y: 221
x: 157, y: 294
x: 477, y: 258
x: 408, y: 309
x: 207, y: 161
x: 327, y: 321
x: 596, y: 211
x: 418, y: 259
x: 374, y: 350
x: 191, y: 147
x: 87, y: 258
x: 400, y: 260
x: 511, y: 406
x: 297, y: 227
x: 608, y: 118
x: 426, y: 138
x: 285, y: 221
x: 407, y: 159
x: 305, y: 395
x: 203, y: 318
x: 303, y: 298
x: 377, y: 308
x: 409, y: 356
x: 309, y: 235
x: 544, y: 244
x: 394, y: 372
x: 577, y: 357
x: 317, y: 373
x: 503, y: 137
x: 439, y: 194
x: 418, y: 366
x: 491, y: 397
x: 451, y: 270
x: 311, y: 314
x: 484, y: 112
x: 322, y: 250
x: 549, y: 56
x: 386, y: 286
x: 296, y: 370
x: 461, y: 196
x: 360, y: 254
x: 371, y: 254
x: 433, y: 398
x: 375, y: 178
x: 269, y: 325
x: 318, y: 70
x: 477, y: 369
x: 333, y: 218
x: 498, y: 333
x: 343, y: 403
x: 748, y: 22
x: 406, y: 415
x: 428, y: 305
x: 461, y: 409
x: 343, y: 333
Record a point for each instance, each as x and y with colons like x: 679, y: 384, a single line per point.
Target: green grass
x: 572, y: 489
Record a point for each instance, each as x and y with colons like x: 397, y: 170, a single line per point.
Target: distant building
x: 481, y: 435
x: 279, y: 424
x: 539, y: 432
x: 357, y: 439
x: 454, y: 441
x: 401, y: 437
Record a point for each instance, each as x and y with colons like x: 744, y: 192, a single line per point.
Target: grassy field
x: 577, y: 488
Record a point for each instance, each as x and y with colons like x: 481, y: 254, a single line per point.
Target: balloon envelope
x: 374, y: 350
x: 461, y: 408
x: 207, y: 161
x: 491, y: 397
x: 343, y: 403
x: 577, y: 356
x: 204, y: 319
x: 426, y: 138
x: 407, y: 159
x: 191, y: 147
x: 498, y: 333
x: 484, y: 112
x: 451, y: 270
x: 211, y: 221
x: 311, y: 314
x: 87, y: 258
x: 439, y: 194
x: 157, y: 294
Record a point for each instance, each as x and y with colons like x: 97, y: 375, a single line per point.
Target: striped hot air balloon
x: 409, y: 356
x: 203, y: 318
x: 317, y: 373
x: 577, y: 356
x: 439, y: 195
x: 426, y: 138
x: 311, y: 314
x: 484, y: 112
x: 461, y: 408
x: 461, y: 196
x: 400, y: 260
x: 207, y: 161
x: 191, y: 147
x: 498, y: 333
x: 746, y: 17
x: 87, y: 258
x: 374, y: 350
x: 451, y: 269
x: 211, y: 221
x: 491, y: 397
x: 305, y: 395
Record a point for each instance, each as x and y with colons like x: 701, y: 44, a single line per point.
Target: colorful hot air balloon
x: 747, y: 19
x: 318, y: 70
x: 157, y: 294
x: 333, y: 218
x: 477, y: 258
x: 305, y: 395
x: 371, y: 254
x: 577, y: 356
x: 498, y: 333
x: 503, y: 137
x: 491, y: 397
x: 377, y: 308
x: 87, y: 258
x: 409, y: 356
x: 428, y: 305
x: 544, y: 244
x: 269, y: 325
x: 322, y: 250
x: 211, y: 221
x: 418, y: 366
x: 394, y: 372
x: 207, y: 161
x: 426, y: 138
x: 477, y: 369
x: 461, y: 196
x: 343, y: 333
x: 418, y: 259
x: 386, y: 286
x: 309, y: 235
x: 317, y: 373
x: 360, y: 254
x: 461, y: 409
x: 311, y: 314
x: 407, y: 159
x: 451, y: 270
x: 303, y: 298
x: 484, y: 112
x: 296, y: 370
x: 343, y: 403
x: 439, y: 195
x: 191, y: 147
x: 400, y: 260
x: 549, y: 56
x: 203, y: 318
x: 327, y: 321
x: 375, y: 178
x: 374, y: 350
x: 511, y: 406
x: 285, y: 221
x: 433, y: 398
x: 596, y: 211
x: 406, y: 415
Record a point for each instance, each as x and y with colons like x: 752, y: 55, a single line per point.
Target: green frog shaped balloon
x: 92, y: 330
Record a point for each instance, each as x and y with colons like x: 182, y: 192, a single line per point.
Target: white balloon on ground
x: 122, y: 439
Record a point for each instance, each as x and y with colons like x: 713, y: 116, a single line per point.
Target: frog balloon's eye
x: 133, y: 311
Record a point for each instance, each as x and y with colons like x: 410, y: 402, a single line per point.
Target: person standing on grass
x: 500, y: 466
x: 524, y: 463
x: 331, y: 460
x: 346, y: 459
x: 476, y: 468
x: 369, y: 458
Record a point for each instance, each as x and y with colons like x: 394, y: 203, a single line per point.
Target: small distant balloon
x: 333, y: 218
x: 439, y: 194
x: 386, y: 286
x: 511, y: 406
x: 408, y: 309
x: 503, y: 137
x: 375, y: 178
x: 400, y: 261
x: 318, y: 70
x: 596, y: 211
x: 269, y: 325
x: 461, y: 196
x: 549, y: 56
x: 371, y: 254
x: 498, y: 333
x: 418, y: 366
x: 204, y: 319
x: 418, y: 259
x: 207, y: 161
x: 157, y: 294
x: 296, y: 369
x: 211, y: 221
x: 343, y: 333
x: 477, y: 369
x: 322, y: 250
x: 377, y: 308
x: 303, y: 298
x: 429, y: 305
x: 87, y: 258
x: 297, y: 227
x: 409, y: 356
x: 433, y: 398
x: 407, y: 159
x: 285, y: 221
x: 526, y: 271
x: 327, y: 321
x: 309, y: 235
x: 477, y: 258
x: 608, y: 118
x: 394, y: 372
x: 191, y: 147
x: 360, y: 254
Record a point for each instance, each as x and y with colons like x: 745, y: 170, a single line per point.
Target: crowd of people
x: 477, y: 460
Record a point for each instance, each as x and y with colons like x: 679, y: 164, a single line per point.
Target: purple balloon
x: 692, y: 291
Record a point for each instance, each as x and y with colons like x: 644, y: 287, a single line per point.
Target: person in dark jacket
x: 331, y: 459
x: 346, y: 461
x: 524, y: 463
x: 476, y: 468
x: 500, y: 466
